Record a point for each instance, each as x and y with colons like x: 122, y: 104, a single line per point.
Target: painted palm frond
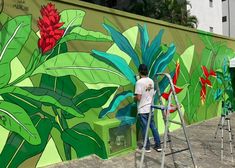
x: 154, y: 55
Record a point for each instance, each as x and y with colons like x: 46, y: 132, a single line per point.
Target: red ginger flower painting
x: 205, y: 82
x: 174, y: 80
x: 49, y: 27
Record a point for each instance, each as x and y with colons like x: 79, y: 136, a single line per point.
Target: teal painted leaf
x: 17, y: 150
x: 163, y: 84
x: 83, y: 66
x: 93, y: 98
x: 79, y: 33
x: 57, y: 101
x: 118, y: 62
x: 71, y: 19
x: 144, y: 41
x: 127, y: 115
x: 123, y: 43
x: 162, y: 61
x: 154, y: 48
x: 15, y: 118
x: 13, y: 35
x: 84, y: 140
x: 225, y: 65
x: 218, y: 94
x: 115, y: 103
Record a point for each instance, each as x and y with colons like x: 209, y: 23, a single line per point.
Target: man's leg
x: 143, y: 123
x: 155, y: 133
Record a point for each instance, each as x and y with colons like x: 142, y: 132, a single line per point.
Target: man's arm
x: 137, y: 97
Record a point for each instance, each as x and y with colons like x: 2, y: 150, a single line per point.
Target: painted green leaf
x: 29, y: 105
x: 187, y: 57
x: 63, y: 148
x: 17, y: 150
x: 62, y: 100
x: 84, y: 141
x: 93, y: 98
x: 118, y: 62
x: 79, y: 33
x: 57, y: 101
x: 14, y: 118
x: 71, y: 18
x: 122, y: 42
x: 13, y: 35
x: 83, y: 66
x: 115, y: 103
x: 61, y: 85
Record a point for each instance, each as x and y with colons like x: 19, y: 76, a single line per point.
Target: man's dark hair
x: 143, y: 69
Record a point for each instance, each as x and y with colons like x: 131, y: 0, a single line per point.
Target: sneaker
x: 147, y: 150
x: 158, y: 148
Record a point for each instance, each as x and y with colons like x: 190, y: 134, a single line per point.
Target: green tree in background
x: 173, y: 11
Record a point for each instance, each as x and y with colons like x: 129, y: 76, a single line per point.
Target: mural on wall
x: 56, y: 95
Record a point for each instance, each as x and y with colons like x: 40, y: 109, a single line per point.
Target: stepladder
x: 172, y: 104
x: 224, y: 125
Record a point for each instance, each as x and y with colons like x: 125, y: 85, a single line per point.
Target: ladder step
x: 162, y: 107
x: 176, y: 122
x: 159, y: 107
x: 177, y: 151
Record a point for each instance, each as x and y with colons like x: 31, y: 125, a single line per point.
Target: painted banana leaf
x: 18, y: 150
x: 83, y: 66
x: 118, y: 62
x: 14, y: 34
x: 30, y: 106
x: 79, y: 33
x: 14, y: 118
x: 44, y: 98
x: 71, y: 19
x: 122, y: 42
x: 84, y: 141
x: 62, y: 100
x: 93, y: 98
x: 115, y: 103
x: 63, y: 148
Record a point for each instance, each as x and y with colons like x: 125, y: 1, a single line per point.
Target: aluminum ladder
x: 166, y: 113
x: 225, y: 125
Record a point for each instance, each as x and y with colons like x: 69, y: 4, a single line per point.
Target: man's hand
x: 137, y: 97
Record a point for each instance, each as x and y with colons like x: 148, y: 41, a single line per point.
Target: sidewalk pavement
x: 205, y: 147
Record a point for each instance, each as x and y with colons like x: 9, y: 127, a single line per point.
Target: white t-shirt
x: 145, y: 88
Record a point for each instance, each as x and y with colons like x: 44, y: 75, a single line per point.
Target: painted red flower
x: 49, y: 27
x: 174, y: 80
x: 205, y: 82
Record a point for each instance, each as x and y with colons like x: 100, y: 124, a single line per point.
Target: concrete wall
x: 81, y: 73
